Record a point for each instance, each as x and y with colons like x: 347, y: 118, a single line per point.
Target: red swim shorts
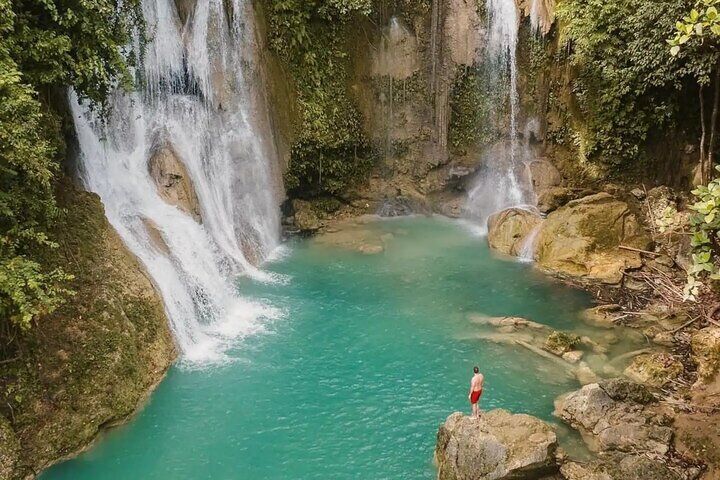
x: 475, y: 397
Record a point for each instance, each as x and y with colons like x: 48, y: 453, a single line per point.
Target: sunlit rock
x: 499, y: 445
x: 508, y: 228
x: 582, y: 239
x: 655, y: 370
x: 706, y: 353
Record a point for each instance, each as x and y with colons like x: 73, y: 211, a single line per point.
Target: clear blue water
x: 372, y: 354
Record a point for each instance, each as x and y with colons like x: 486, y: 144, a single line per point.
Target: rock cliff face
x: 499, y: 445
x: 95, y: 360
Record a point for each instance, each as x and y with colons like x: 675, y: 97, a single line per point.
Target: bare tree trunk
x: 703, y: 169
x: 713, y: 125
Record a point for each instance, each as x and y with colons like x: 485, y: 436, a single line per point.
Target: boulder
x: 560, y: 343
x: 706, y: 353
x: 573, y: 356
x: 655, y: 369
x: 553, y: 198
x: 610, y: 418
x: 499, y: 445
x: 617, y: 466
x: 582, y: 238
x: 9, y: 449
x: 306, y: 220
x: 173, y: 181
x: 543, y: 176
x: 508, y: 228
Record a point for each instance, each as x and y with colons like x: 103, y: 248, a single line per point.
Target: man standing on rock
x: 476, y: 389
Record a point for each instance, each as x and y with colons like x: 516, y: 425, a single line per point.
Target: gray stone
x: 614, y: 424
x: 499, y: 445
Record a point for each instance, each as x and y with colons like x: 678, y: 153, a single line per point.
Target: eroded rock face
x: 615, y: 416
x: 508, y: 228
x: 306, y: 220
x: 706, y: 353
x: 499, y: 445
x: 582, y: 238
x: 173, y: 181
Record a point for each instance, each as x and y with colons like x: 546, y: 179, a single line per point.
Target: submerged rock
x: 508, y: 228
x: 499, y: 445
x: 706, y: 353
x: 615, y: 416
x: 560, y: 343
x: 582, y: 238
x: 655, y: 370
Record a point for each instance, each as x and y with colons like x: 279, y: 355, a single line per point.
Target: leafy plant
x: 705, y: 226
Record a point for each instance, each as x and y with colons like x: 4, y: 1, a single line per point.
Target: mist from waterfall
x: 194, y: 98
x: 500, y: 181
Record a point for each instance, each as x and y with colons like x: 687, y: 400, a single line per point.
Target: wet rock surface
x: 173, y: 181
x: 508, y: 228
x: 499, y: 445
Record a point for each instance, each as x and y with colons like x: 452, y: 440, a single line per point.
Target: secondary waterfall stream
x: 194, y: 104
x: 499, y: 183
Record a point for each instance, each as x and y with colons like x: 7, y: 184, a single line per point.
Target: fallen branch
x: 686, y: 324
x: 632, y: 249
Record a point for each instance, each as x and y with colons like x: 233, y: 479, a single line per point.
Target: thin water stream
x: 371, y: 353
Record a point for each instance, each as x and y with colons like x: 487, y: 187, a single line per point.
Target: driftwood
x: 632, y: 249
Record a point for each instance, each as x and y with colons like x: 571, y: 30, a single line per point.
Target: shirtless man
x: 476, y: 388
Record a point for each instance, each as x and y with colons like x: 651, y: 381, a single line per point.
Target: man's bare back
x: 476, y: 389
x: 476, y: 384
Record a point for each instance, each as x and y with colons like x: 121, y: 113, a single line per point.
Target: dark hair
x: 476, y: 370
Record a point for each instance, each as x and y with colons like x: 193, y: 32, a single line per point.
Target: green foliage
x: 626, y: 86
x: 705, y: 226
x: 701, y: 24
x: 330, y: 150
x: 44, y: 45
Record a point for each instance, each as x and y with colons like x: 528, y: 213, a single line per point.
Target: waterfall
x: 526, y: 252
x: 499, y: 183
x: 194, y: 102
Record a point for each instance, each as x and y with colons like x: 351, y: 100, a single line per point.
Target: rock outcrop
x: 173, y: 181
x: 507, y: 229
x: 614, y: 466
x: 706, y: 353
x: 544, y: 176
x: 499, y: 445
x: 92, y: 362
x: 581, y: 239
x: 615, y: 416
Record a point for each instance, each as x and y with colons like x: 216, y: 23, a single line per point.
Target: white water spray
x: 196, y: 101
x: 498, y: 184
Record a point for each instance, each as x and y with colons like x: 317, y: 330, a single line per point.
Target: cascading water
x: 194, y: 101
x: 499, y: 183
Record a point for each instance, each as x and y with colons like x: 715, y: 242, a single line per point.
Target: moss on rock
x: 94, y: 361
x: 560, y: 343
x: 655, y: 370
